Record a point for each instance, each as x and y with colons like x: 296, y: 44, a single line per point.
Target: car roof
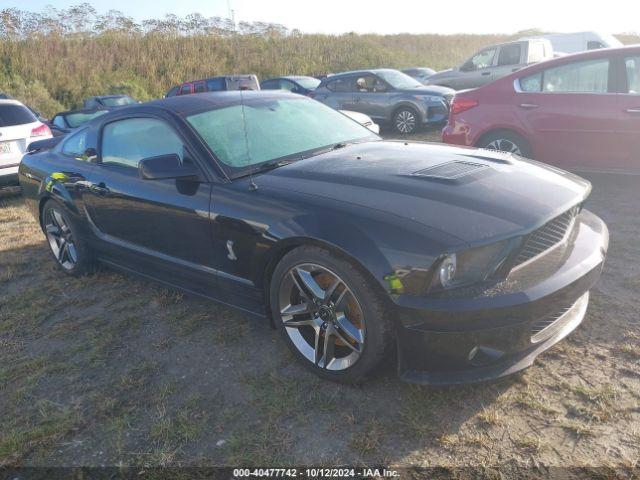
x: 359, y: 72
x: 10, y: 101
x: 82, y: 110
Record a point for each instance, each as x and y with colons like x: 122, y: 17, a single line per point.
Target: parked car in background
x: 108, y: 101
x: 419, y: 73
x: 362, y: 119
x: 464, y: 265
x: 294, y: 84
x: 216, y: 84
x: 64, y: 122
x: 579, y: 41
x: 493, y: 62
x: 18, y: 128
x: 387, y: 96
x: 580, y: 111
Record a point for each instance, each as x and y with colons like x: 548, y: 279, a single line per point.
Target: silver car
x: 388, y: 97
x: 493, y: 62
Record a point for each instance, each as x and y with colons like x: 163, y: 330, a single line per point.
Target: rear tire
x: 506, y: 141
x: 406, y: 120
x: 329, y: 314
x: 66, y: 244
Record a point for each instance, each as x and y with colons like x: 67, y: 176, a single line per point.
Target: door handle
x: 528, y: 106
x: 484, y: 74
x: 99, y: 188
x: 633, y: 110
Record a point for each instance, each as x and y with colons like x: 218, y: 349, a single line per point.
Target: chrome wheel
x: 504, y: 145
x: 405, y: 121
x: 60, y: 239
x: 322, y: 317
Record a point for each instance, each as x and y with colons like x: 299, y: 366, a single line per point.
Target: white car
x: 362, y: 119
x: 18, y: 128
x: 567, y: 43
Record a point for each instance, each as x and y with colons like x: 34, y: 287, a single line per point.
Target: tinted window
x: 270, y: 85
x: 76, y: 119
x: 370, y: 84
x: 309, y: 83
x: 287, y: 85
x: 13, y: 114
x: 117, y: 101
x: 341, y: 84
x: 186, y: 89
x: 268, y: 129
x: 509, y: 54
x: 590, y: 76
x: 633, y: 75
x: 216, y: 84
x: 126, y: 142
x: 398, y: 79
x: 76, y: 144
x: 173, y: 92
x: 199, y: 87
x: 58, y: 121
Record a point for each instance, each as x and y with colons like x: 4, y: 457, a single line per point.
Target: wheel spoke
x: 328, y: 353
x: 351, y: 331
x: 317, y: 347
x: 53, y: 230
x: 72, y: 253
x: 301, y: 309
x: 62, y: 247
x: 310, y: 284
x: 59, y: 220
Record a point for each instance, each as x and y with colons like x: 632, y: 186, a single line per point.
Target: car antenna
x: 252, y: 184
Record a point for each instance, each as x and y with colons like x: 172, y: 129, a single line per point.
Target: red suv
x: 580, y: 111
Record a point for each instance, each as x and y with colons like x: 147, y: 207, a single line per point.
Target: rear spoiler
x: 42, y: 145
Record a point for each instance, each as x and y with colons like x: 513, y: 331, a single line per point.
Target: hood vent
x: 450, y: 170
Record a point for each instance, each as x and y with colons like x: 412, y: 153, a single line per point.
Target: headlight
x: 469, y: 266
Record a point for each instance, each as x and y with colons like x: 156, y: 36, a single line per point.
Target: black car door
x: 160, y: 227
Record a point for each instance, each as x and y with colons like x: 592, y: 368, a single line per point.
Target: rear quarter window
x: 12, y: 114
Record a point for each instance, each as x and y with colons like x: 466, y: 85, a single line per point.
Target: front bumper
x: 445, y: 341
x: 435, y: 113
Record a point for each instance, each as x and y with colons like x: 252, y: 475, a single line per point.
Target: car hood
x: 442, y: 74
x: 502, y: 196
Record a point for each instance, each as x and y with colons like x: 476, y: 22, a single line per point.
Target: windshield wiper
x: 263, y: 167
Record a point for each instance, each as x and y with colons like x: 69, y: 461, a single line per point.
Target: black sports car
x: 470, y: 263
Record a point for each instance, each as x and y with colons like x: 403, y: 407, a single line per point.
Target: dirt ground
x: 111, y: 370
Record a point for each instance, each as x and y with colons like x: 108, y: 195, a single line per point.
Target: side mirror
x: 90, y: 155
x: 467, y: 67
x: 167, y: 166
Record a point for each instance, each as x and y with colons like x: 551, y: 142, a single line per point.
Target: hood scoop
x: 450, y: 170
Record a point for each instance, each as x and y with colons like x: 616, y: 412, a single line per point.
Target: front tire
x: 67, y: 246
x: 406, y: 120
x: 329, y: 314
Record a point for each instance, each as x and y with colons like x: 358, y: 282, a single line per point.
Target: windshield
x: 117, y: 101
x: 309, y: 83
x: 74, y: 120
x: 275, y: 129
x: 398, y: 80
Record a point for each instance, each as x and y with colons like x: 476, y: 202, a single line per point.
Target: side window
x: 186, y: 89
x: 370, y: 84
x: 509, y: 54
x: 632, y: 65
x: 75, y: 145
x: 126, y: 142
x: 341, y: 85
x: 270, y: 85
x: 480, y: 60
x: 532, y: 83
x: 590, y: 76
x: 287, y: 85
x: 199, y: 87
x: 216, y: 84
x: 594, y: 45
x: 58, y: 121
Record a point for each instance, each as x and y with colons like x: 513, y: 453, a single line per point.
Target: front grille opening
x: 547, y: 236
x: 450, y: 170
x: 549, y: 325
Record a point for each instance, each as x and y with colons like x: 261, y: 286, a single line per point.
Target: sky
x: 386, y: 16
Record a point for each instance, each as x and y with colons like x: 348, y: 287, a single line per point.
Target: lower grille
x: 551, y: 324
x: 547, y: 236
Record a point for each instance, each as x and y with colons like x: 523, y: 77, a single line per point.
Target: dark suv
x: 387, y: 96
